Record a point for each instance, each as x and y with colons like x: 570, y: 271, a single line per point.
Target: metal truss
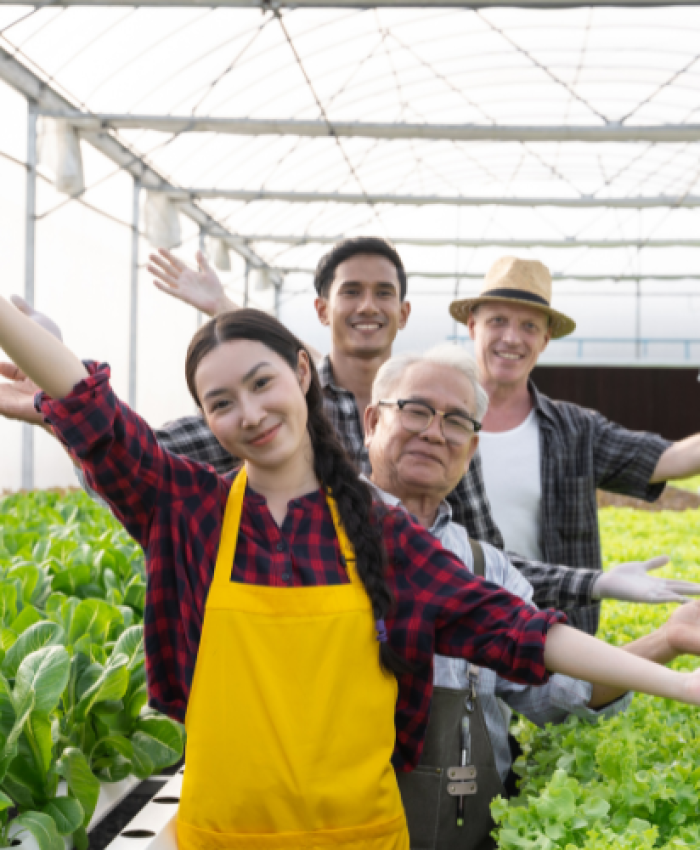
x: 46, y: 98
x: 491, y: 242
x: 359, y: 4
x: 251, y: 195
x: 612, y: 132
x: 587, y: 278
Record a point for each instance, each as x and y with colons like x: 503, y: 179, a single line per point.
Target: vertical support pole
x: 134, y: 302
x: 29, y: 272
x: 278, y: 287
x: 246, y: 283
x: 200, y: 317
x: 638, y: 320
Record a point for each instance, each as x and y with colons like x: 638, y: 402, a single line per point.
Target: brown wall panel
x: 665, y: 401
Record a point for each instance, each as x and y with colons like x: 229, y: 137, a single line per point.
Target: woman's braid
x: 355, y: 506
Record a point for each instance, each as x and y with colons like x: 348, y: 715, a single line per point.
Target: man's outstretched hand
x: 682, y: 630
x: 17, y: 396
x: 632, y: 583
x: 201, y: 289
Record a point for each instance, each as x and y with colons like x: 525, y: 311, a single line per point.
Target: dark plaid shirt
x: 174, y: 508
x: 555, y: 586
x: 581, y: 451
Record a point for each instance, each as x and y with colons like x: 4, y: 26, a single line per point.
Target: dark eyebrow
x: 377, y: 283
x: 248, y: 375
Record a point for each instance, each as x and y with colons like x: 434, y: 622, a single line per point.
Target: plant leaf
x: 130, y: 644
x: 82, y: 782
x: 37, y: 636
x: 110, y: 685
x: 42, y: 827
x: 67, y: 814
x: 26, y: 618
x: 46, y: 672
x: 162, y: 739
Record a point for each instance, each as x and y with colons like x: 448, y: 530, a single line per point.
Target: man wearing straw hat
x: 543, y: 460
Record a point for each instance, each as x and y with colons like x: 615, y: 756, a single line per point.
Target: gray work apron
x: 431, y: 808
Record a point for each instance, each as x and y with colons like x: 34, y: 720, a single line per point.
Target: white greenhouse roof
x: 417, y: 78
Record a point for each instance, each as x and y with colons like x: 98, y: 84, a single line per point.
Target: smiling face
x: 254, y: 403
x: 363, y: 307
x: 420, y: 465
x: 508, y: 339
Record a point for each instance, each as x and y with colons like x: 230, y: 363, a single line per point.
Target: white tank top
x: 511, y: 461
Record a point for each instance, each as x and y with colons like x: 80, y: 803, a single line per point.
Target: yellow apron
x: 290, y: 722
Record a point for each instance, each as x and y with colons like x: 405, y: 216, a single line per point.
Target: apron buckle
x: 466, y: 772
x: 461, y: 789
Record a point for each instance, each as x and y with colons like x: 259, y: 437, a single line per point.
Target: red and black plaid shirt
x: 175, y: 507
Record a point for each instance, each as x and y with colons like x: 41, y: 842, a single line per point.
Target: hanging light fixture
x: 59, y: 151
x: 162, y: 221
x: 222, y: 258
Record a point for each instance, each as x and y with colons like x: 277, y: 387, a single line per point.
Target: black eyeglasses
x: 416, y: 417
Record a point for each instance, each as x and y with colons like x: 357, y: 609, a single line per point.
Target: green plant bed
x: 632, y: 781
x: 73, y: 698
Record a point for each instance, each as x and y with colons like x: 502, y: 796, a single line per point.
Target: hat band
x: 517, y: 294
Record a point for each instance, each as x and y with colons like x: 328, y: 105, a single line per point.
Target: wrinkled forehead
x: 443, y: 387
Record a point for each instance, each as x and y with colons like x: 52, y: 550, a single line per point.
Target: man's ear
x: 471, y: 324
x: 322, y: 310
x: 371, y: 420
x: 404, y: 313
x: 304, y: 371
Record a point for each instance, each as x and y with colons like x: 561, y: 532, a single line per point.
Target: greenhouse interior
x: 245, y: 142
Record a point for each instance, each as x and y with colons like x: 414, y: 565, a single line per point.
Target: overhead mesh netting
x: 619, y: 228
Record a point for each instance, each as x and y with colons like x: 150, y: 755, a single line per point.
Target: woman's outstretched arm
x: 581, y: 656
x: 43, y: 358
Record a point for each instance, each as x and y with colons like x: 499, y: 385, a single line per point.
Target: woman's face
x: 254, y: 403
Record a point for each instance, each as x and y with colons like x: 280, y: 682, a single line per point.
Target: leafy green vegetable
x: 631, y: 782
x: 73, y: 697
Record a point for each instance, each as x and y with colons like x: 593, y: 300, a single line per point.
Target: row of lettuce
x: 73, y: 697
x: 632, y: 782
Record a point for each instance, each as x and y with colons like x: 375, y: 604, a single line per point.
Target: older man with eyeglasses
x: 421, y: 431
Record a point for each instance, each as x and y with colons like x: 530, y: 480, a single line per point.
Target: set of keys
x: 462, y: 779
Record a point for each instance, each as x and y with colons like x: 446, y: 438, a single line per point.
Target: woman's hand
x: 200, y: 289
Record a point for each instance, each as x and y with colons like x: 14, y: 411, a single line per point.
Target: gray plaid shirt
x: 582, y: 451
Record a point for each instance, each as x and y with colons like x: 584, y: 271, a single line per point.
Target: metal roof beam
x: 483, y: 243
x: 587, y: 278
x: 20, y: 78
x: 362, y: 4
x: 249, y: 196
x: 612, y: 132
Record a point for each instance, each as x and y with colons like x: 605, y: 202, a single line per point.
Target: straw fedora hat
x: 514, y: 281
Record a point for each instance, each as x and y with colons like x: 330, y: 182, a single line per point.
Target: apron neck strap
x: 232, y: 524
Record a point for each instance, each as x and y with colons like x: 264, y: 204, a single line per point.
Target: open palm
x: 17, y: 396
x: 201, y: 289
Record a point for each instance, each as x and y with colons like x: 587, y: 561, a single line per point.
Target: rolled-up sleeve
x: 117, y: 451
x: 625, y: 460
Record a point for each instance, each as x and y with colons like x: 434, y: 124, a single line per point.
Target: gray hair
x: 446, y: 354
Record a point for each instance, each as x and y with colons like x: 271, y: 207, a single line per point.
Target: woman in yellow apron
x: 267, y: 597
